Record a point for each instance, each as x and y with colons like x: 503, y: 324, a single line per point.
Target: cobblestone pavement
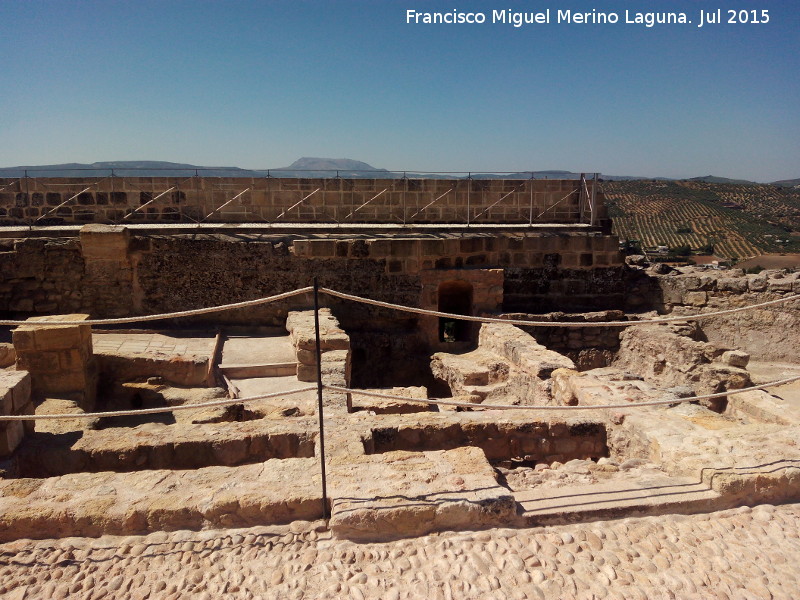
x: 734, y: 554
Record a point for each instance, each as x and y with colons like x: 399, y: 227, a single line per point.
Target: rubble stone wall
x: 770, y: 333
x: 108, y: 273
x: 545, y: 441
x: 587, y: 347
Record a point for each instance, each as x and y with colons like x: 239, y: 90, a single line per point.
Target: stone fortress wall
x: 59, y: 201
x: 110, y: 272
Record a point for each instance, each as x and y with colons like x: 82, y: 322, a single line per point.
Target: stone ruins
x: 398, y: 464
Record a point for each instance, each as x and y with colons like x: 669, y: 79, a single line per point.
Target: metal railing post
x: 28, y: 198
x: 530, y: 217
x: 469, y: 189
x: 197, y: 197
x: 111, y: 200
x: 319, y: 403
x: 405, y: 189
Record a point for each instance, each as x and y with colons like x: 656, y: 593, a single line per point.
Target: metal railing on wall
x: 210, y: 195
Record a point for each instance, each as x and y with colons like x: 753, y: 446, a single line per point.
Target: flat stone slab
x: 385, y: 406
x: 616, y: 499
x: 258, y: 350
x: 153, y: 344
x: 94, y: 504
x: 401, y: 494
x: 128, y: 356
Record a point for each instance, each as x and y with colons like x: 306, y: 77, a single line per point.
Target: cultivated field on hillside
x: 739, y: 221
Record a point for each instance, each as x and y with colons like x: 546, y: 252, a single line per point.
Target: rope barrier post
x: 319, y: 403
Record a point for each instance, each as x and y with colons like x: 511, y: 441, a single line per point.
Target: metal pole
x: 469, y: 189
x: 196, y: 186
x: 111, y: 200
x: 530, y: 217
x: 405, y: 189
x: 319, y: 403
x: 593, y: 204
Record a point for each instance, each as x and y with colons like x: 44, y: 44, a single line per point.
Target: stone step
x: 617, y: 499
x: 156, y: 446
x: 242, y: 371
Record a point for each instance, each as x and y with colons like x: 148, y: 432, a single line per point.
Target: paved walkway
x: 736, y: 554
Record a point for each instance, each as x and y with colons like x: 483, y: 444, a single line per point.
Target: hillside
x: 126, y: 168
x: 325, y: 167
x: 788, y: 183
x: 739, y: 220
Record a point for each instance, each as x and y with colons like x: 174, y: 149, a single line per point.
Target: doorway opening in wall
x: 455, y: 297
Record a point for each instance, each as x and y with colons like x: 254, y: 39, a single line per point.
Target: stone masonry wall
x: 15, y: 399
x: 768, y: 333
x: 109, y: 274
x: 587, y: 347
x: 59, y: 357
x: 48, y: 201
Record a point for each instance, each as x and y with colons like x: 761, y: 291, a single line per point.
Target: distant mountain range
x: 310, y: 167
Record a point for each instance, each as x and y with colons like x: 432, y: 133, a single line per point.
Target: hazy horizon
x: 185, y: 165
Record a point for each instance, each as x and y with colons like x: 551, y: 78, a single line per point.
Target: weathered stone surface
x: 15, y: 399
x: 159, y: 446
x: 689, y: 437
x: 735, y: 358
x: 400, y: 494
x: 508, y: 367
x: 8, y: 355
x: 334, y: 347
x: 522, y: 350
x: 59, y: 357
x: 511, y: 434
x: 664, y: 354
x: 93, y: 504
x: 763, y: 407
x: 388, y: 406
x: 104, y: 242
x: 180, y: 368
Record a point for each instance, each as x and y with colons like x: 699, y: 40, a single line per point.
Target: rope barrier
x: 400, y: 307
x: 436, y: 313
x: 438, y: 401
x: 172, y: 315
x: 154, y: 411
x: 560, y: 407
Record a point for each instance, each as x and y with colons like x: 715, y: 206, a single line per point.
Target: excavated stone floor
x: 631, y: 502
x: 394, y: 473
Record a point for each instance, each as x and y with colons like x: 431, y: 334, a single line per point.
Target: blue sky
x: 259, y: 84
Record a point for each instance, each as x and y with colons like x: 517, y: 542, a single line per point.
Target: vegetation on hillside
x: 738, y: 221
